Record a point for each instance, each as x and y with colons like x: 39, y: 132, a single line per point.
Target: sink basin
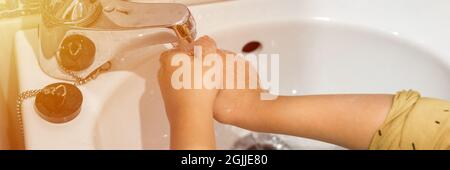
x: 343, y: 46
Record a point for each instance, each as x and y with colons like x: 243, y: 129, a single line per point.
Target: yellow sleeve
x: 414, y: 123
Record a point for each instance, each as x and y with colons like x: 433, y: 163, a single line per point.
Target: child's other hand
x: 240, y: 107
x: 190, y: 111
x: 180, y: 101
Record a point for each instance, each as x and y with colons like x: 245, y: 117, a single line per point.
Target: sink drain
x: 255, y: 141
x: 251, y: 47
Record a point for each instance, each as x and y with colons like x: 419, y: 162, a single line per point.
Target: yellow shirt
x: 414, y: 123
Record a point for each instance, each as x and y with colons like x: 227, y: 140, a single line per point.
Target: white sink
x: 341, y: 46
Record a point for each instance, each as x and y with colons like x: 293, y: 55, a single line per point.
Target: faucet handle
x: 140, y: 15
x: 120, y: 14
x: 73, y: 12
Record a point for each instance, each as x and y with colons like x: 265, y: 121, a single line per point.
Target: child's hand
x: 190, y: 111
x: 184, y: 100
x: 240, y: 107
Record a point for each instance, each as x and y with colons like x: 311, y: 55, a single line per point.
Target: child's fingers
x: 226, y: 52
x: 208, y: 45
x: 167, y: 56
x: 185, y: 46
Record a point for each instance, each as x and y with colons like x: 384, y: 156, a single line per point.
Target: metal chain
x: 20, y: 99
x: 78, y: 82
x: 81, y: 81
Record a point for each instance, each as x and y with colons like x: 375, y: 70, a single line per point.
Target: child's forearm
x: 347, y: 120
x: 192, y: 130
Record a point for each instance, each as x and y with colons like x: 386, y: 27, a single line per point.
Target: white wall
x: 4, y: 126
x: 8, y: 84
x: 7, y: 28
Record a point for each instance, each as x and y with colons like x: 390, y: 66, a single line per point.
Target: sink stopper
x: 59, y: 102
x: 77, y: 53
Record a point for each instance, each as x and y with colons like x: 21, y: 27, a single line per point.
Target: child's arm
x: 346, y: 120
x: 190, y: 111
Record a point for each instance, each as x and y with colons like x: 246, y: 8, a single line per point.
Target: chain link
x: 20, y: 99
x: 78, y: 82
x: 81, y: 81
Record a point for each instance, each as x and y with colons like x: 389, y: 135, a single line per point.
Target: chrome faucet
x: 107, y: 28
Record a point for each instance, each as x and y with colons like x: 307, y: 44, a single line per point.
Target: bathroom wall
x: 8, y: 81
x: 4, y: 139
x: 6, y: 44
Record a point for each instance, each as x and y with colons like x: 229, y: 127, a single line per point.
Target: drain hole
x: 257, y: 141
x: 262, y: 147
x: 251, y: 47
